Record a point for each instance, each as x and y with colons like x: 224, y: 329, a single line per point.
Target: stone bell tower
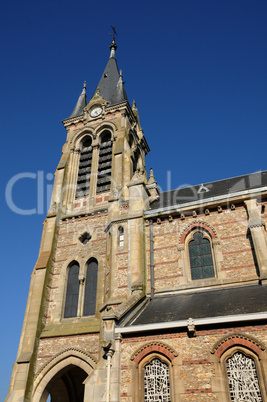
x: 91, y: 265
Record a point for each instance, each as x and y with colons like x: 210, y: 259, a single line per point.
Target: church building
x: 141, y: 295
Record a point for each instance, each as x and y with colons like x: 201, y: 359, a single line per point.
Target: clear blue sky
x: 196, y: 69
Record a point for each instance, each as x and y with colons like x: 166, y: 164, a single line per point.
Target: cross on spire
x: 114, y: 33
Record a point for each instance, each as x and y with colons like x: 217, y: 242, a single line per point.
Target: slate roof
x: 81, y: 103
x: 110, y: 85
x: 203, y: 304
x: 209, y: 190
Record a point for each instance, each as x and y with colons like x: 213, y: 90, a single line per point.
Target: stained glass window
x: 90, y: 288
x: 72, y: 295
x: 243, y: 379
x: 156, y: 381
x: 200, y: 257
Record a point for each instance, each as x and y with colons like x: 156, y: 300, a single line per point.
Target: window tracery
x: 243, y: 378
x: 156, y: 381
x: 200, y: 256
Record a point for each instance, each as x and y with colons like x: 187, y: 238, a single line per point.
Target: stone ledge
x: 71, y: 328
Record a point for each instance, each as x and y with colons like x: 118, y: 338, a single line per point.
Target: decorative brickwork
x: 68, y: 352
x: 235, y: 340
x: 158, y: 347
x: 197, y: 224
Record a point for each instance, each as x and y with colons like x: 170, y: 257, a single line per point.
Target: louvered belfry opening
x: 104, y: 164
x: 84, y: 173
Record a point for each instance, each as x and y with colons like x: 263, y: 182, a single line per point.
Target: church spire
x: 81, y: 103
x: 111, y: 86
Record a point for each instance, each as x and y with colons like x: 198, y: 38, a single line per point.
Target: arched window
x: 242, y: 362
x: 120, y: 236
x: 90, y: 288
x: 156, y: 381
x: 200, y: 256
x: 72, y: 293
x: 104, y: 164
x: 243, y: 378
x: 84, y: 173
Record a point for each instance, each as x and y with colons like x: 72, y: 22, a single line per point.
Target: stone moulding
x: 154, y: 347
x: 237, y: 339
x: 197, y: 223
x: 68, y: 352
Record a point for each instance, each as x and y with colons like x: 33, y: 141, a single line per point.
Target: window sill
x: 72, y: 326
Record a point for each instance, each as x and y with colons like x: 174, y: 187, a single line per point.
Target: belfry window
x: 84, y: 173
x: 243, y: 378
x: 156, y: 381
x: 90, y: 288
x: 104, y: 164
x: 200, y: 256
x: 72, y: 294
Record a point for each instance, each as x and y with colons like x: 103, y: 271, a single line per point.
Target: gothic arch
x: 232, y: 352
x: 194, y: 225
x: 154, y: 347
x: 78, y: 137
x: 186, y: 236
x: 154, y: 353
x: 67, y: 357
x: 60, y: 294
x: 237, y: 339
x: 110, y: 126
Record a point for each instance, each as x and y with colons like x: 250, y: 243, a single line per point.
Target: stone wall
x: 234, y: 249
x: 50, y: 347
x: 195, y: 370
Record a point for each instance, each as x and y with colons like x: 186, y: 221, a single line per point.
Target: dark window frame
x: 200, y: 255
x: 72, y: 291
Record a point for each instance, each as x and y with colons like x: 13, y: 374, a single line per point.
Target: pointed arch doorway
x: 63, y: 378
x: 66, y: 386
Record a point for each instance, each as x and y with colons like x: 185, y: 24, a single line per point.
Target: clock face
x: 96, y: 111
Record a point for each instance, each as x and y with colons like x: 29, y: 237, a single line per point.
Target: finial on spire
x: 134, y: 105
x: 113, y: 45
x: 84, y: 88
x: 97, y: 92
x: 114, y: 33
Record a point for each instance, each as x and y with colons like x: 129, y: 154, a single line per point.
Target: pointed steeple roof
x: 111, y: 86
x: 81, y: 103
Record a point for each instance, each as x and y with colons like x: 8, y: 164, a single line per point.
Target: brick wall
x: 196, y: 367
x: 237, y: 259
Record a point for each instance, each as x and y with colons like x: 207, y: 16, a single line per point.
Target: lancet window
x: 90, y: 288
x: 81, y: 290
x: 121, y: 236
x: 200, y: 256
x: 72, y: 294
x: 157, y: 381
x: 84, y: 173
x: 243, y: 378
x: 104, y: 164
